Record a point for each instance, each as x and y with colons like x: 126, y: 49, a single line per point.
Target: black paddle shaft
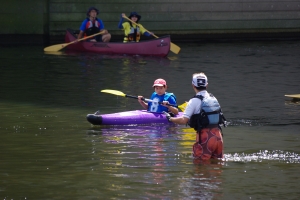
x: 135, y: 97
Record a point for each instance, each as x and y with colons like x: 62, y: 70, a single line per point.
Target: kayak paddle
x: 174, y: 48
x: 182, y: 106
x: 296, y: 96
x: 119, y: 93
x: 58, y: 47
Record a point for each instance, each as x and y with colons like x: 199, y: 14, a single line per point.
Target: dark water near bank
x: 49, y: 151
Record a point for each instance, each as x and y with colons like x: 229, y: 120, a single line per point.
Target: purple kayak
x: 128, y: 117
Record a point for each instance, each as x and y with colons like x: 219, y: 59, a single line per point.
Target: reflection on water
x: 149, y: 155
x: 264, y: 155
x: 136, y: 135
x: 203, y: 181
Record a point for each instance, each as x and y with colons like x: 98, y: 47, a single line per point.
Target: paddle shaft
x: 87, y: 37
x: 137, y: 25
x: 119, y: 93
x: 147, y: 100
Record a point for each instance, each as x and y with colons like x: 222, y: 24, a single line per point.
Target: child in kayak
x: 132, y: 32
x: 162, y: 99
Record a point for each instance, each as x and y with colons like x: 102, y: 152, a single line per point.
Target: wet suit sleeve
x: 120, y: 25
x: 143, y: 30
x: 147, y: 34
x: 101, y: 24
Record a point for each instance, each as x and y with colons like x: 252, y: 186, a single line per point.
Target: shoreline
x: 39, y: 39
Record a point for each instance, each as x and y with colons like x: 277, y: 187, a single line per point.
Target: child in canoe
x: 160, y: 95
x: 92, y: 25
x: 131, y: 30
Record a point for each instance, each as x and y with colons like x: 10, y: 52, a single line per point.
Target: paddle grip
x: 133, y: 97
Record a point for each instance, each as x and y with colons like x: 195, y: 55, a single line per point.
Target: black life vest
x: 210, y: 115
x: 92, y: 27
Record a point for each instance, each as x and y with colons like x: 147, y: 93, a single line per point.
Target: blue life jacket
x: 156, y: 107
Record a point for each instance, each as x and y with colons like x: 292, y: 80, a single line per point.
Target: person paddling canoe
x: 160, y: 95
x: 92, y: 25
x: 132, y: 31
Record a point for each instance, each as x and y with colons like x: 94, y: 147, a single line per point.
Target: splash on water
x: 275, y: 155
x: 248, y: 122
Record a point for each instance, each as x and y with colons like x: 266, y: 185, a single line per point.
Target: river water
x: 49, y: 150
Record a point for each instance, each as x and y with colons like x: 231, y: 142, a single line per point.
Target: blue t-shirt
x: 83, y: 24
x: 156, y: 107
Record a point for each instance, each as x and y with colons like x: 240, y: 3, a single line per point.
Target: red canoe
x: 155, y: 47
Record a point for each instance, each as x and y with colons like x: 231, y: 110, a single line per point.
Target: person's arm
x: 173, y: 110
x: 104, y: 31
x: 80, y: 35
x: 171, y: 101
x: 82, y: 29
x: 179, y: 120
x: 147, y: 34
x: 120, y: 25
x: 144, y: 32
x: 143, y: 103
x: 188, y: 112
x: 101, y: 28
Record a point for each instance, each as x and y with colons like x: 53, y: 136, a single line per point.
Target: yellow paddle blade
x: 115, y: 92
x: 174, y: 48
x: 296, y: 96
x: 182, y: 106
x: 55, y: 53
x: 56, y: 47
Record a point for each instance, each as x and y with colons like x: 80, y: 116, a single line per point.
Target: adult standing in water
x: 203, y: 113
x: 132, y: 31
x: 92, y: 25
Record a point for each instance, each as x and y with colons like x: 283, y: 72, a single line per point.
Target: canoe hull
x: 155, y: 47
x: 128, y: 117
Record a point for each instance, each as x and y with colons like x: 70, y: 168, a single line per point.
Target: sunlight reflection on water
x: 49, y: 150
x: 264, y: 155
x: 136, y: 135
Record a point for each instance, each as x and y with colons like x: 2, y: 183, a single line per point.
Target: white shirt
x: 194, y: 105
